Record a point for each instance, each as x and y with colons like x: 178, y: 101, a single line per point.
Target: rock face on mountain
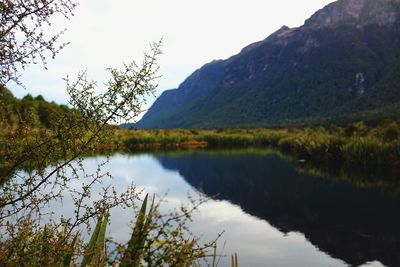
x: 358, y: 13
x: 344, y: 62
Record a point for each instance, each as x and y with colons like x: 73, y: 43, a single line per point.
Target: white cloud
x: 111, y: 32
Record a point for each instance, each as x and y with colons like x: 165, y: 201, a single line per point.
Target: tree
x: 22, y: 42
x: 22, y: 38
x: 26, y: 147
x: 75, y: 134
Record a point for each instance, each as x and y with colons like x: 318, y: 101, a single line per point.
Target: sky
x: 109, y: 33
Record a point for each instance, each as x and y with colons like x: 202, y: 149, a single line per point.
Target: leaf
x: 214, y: 257
x: 99, y: 250
x: 234, y: 261
x: 90, y: 247
x: 68, y: 256
x: 136, y: 244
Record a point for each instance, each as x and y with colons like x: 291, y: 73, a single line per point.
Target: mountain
x: 342, y: 64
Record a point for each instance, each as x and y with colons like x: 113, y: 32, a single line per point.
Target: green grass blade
x: 234, y: 260
x: 99, y: 249
x: 68, y: 256
x: 147, y: 225
x: 88, y: 254
x: 135, y: 244
x: 214, y: 257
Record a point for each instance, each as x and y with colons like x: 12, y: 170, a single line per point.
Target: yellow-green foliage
x: 355, y: 144
x: 154, y: 242
x: 34, y: 246
x: 133, y: 139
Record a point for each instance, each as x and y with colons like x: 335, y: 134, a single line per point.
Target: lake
x: 271, y: 213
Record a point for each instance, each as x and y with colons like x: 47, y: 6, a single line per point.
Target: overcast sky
x: 105, y: 33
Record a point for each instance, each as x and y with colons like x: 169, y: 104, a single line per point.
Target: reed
x: 355, y: 145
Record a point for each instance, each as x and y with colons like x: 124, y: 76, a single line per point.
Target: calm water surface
x: 272, y: 214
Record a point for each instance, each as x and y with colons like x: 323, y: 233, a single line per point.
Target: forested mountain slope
x: 343, y: 63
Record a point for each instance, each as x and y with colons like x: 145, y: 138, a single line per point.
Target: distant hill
x: 30, y: 111
x: 342, y: 64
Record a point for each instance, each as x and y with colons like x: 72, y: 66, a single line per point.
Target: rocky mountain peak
x: 355, y: 12
x: 343, y: 63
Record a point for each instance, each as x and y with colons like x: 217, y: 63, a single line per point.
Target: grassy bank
x: 353, y: 146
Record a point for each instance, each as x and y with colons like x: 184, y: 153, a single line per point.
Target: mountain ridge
x: 330, y: 67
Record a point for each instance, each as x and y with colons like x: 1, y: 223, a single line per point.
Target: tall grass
x: 355, y: 145
x: 141, y: 249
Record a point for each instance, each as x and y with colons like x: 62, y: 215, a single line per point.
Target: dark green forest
x: 312, y: 74
x: 29, y: 111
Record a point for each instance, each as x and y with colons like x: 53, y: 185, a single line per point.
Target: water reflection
x: 256, y: 240
x: 272, y: 214
x: 358, y: 226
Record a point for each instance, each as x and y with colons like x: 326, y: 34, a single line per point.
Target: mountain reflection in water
x: 352, y: 224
